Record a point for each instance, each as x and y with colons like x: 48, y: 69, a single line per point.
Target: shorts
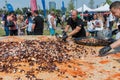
x: 52, y: 31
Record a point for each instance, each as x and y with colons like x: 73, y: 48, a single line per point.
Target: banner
x: 9, y: 7
x: 44, y: 9
x: 63, y: 7
x: 63, y: 4
x: 33, y: 4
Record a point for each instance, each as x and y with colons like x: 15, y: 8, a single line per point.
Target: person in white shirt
x: 52, y: 23
x: 48, y: 18
x: 111, y: 21
x: 95, y: 25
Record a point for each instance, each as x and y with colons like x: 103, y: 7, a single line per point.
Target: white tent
x: 85, y: 8
x: 102, y: 8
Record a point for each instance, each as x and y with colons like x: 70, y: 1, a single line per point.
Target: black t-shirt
x: 39, y: 23
x: 74, y: 23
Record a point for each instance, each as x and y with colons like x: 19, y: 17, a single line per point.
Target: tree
x: 25, y: 9
x: 108, y: 1
x: 71, y: 5
x: 18, y: 11
x: 91, y: 3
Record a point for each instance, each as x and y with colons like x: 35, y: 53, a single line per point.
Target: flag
x: 33, y: 4
x: 9, y: 7
x: 44, y: 9
x: 63, y: 7
x: 63, y: 4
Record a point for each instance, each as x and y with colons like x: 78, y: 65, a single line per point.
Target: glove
x: 111, y: 40
x: 64, y: 37
x: 64, y: 33
x: 104, y: 50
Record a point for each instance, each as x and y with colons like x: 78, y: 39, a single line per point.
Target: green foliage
x: 24, y: 10
x: 91, y: 3
x: 2, y: 32
x: 18, y: 11
x: 71, y: 5
x: 108, y: 1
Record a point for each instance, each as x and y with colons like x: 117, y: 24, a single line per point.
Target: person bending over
x: 115, y: 9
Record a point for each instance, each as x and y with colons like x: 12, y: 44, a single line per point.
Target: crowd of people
x: 15, y: 25
x: 97, y: 24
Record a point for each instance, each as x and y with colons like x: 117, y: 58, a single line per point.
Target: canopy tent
x: 102, y: 8
x: 85, y: 8
x: 99, y: 9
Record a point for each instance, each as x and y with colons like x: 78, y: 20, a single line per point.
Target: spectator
x: 11, y: 18
x: 90, y: 28
x: 29, y: 23
x: 48, y: 18
x: 52, y: 23
x: 98, y: 22
x: 38, y: 24
x: 6, y: 28
x: 58, y: 21
x: 21, y: 25
x: 95, y: 25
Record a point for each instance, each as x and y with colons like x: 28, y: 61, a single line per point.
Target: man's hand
x: 64, y: 33
x: 104, y: 50
x: 64, y: 36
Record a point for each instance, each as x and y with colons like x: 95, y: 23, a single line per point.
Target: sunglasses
x: 73, y: 15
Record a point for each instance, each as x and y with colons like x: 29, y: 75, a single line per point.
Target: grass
x: 46, y: 32
x: 2, y: 32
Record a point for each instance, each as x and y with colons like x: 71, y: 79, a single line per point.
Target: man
x: 6, y: 28
x: 115, y: 9
x: 77, y: 27
x: 11, y: 23
x: 38, y: 24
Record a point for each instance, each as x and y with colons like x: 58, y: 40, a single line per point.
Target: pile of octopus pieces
x: 43, y: 53
x: 93, y: 42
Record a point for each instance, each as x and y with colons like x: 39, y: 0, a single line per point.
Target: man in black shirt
x: 77, y: 26
x: 38, y: 24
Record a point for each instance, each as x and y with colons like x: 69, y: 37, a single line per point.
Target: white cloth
x: 90, y: 25
x: 98, y: 22
x: 30, y: 23
x: 48, y: 17
x: 111, y: 17
x: 30, y: 27
x: 117, y: 36
x: 49, y: 21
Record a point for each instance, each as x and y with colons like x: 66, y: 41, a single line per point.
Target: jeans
x: 6, y: 31
x: 52, y: 31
